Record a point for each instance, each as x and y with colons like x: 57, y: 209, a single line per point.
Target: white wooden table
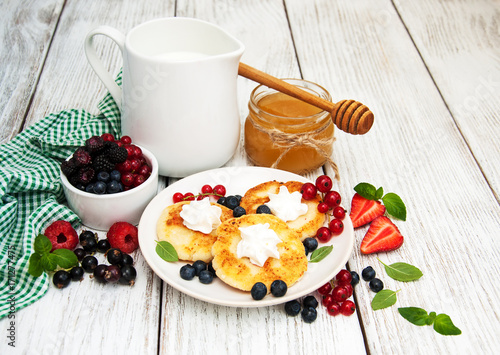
x: 429, y: 70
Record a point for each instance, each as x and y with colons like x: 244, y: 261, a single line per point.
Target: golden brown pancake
x: 306, y: 225
x: 190, y: 245
x: 240, y: 272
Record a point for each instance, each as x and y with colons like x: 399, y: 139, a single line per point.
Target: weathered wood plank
x: 26, y: 31
x: 363, y: 51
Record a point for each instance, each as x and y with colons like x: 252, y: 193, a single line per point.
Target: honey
x: 286, y: 133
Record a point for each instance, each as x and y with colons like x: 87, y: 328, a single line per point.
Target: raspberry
x: 82, y: 157
x: 62, y: 235
x: 68, y: 167
x: 117, y: 155
x: 94, y: 144
x: 86, y: 175
x: 123, y: 236
x: 102, y: 163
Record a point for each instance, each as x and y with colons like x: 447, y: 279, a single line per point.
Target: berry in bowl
x: 109, y: 180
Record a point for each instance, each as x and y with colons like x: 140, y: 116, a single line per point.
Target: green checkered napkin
x: 32, y: 195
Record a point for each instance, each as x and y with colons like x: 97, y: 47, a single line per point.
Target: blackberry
x: 94, y: 144
x: 117, y: 154
x: 86, y: 175
x: 102, y: 163
x: 74, y: 180
x: 82, y: 157
x: 68, y: 167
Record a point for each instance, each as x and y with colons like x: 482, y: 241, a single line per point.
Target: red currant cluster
x: 135, y: 169
x: 336, y: 293
x: 216, y: 192
x: 330, y: 202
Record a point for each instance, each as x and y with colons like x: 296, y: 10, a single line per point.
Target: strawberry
x: 123, y: 236
x: 382, y: 235
x: 364, y: 211
x: 62, y: 235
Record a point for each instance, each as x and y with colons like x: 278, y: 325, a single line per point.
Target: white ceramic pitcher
x: 178, y: 96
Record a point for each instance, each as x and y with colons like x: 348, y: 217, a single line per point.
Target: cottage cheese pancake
x: 241, y: 273
x: 191, y: 245
x: 306, y: 224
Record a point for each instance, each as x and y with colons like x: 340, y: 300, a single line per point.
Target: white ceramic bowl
x: 101, y: 211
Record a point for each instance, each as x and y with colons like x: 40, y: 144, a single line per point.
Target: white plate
x: 237, y: 180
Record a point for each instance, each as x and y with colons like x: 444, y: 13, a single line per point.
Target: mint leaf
x: 444, y: 326
x: 65, y: 258
x: 384, y: 299
x: 431, y: 318
x: 35, y: 266
x: 48, y: 261
x: 366, y: 190
x: 42, y: 244
x: 166, y: 251
x: 320, y: 253
x: 394, y: 206
x: 402, y: 271
x: 414, y: 315
x: 379, y: 193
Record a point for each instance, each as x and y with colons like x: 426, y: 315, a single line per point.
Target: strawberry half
x: 364, y: 211
x: 123, y: 236
x: 382, y: 235
x: 62, y: 235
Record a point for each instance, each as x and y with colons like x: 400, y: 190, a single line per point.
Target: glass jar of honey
x: 286, y: 133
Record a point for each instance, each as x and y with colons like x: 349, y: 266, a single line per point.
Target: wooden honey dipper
x: 348, y: 115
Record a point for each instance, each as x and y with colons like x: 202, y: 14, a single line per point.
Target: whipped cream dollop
x: 285, y: 205
x: 258, y: 243
x: 201, y: 216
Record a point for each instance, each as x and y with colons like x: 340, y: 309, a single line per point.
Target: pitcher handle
x: 96, y: 63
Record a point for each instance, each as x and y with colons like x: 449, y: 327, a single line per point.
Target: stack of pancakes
x: 220, y: 245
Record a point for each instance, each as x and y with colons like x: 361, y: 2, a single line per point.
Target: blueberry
x: 292, y: 308
x: 258, y: 291
x: 355, y: 278
x: 310, y: 301
x: 376, y: 285
x: 238, y: 197
x: 100, y: 188
x: 310, y: 244
x: 199, y: 265
x: 89, y: 188
x: 61, y: 279
x: 278, y: 288
x: 368, y: 273
x: 115, y: 175
x: 211, y: 269
x: 129, y: 274
x: 89, y: 263
x: 113, y: 187
x: 103, y: 176
x: 206, y: 277
x: 187, y: 272
x: 103, y: 246
x: 309, y: 314
x: 239, y: 211
x: 76, y: 273
x: 263, y: 209
x: 222, y: 201
x: 114, y: 256
x: 232, y: 202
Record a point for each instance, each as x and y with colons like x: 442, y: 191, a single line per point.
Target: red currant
x: 325, y: 289
x: 324, y: 183
x: 334, y: 309
x: 327, y: 300
x: 336, y: 226
x: 324, y: 235
x: 333, y: 199
x: 339, y: 294
x: 344, y: 277
x: 339, y: 212
x: 139, y: 179
x: 308, y: 191
x: 127, y: 179
x: 130, y: 151
x: 347, y: 308
x: 349, y: 289
x: 323, y: 207
x: 126, y: 140
x: 144, y: 170
x: 135, y: 164
x: 219, y: 190
x: 178, y: 197
x: 124, y: 167
x: 188, y: 196
x: 137, y: 151
x: 108, y: 137
x: 206, y: 189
